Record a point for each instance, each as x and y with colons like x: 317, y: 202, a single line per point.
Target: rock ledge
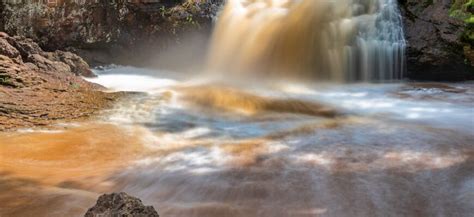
x: 38, y: 88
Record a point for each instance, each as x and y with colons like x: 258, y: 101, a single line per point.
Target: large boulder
x: 120, y: 205
x: 435, y: 48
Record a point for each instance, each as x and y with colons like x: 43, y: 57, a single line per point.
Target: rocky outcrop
x: 39, y: 88
x: 435, y: 49
x: 26, y: 49
x: 120, y: 205
x: 108, y: 31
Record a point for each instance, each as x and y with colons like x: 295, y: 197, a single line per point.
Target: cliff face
x: 102, y: 30
x: 436, y: 49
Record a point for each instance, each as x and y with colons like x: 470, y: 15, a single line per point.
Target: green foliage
x: 470, y: 20
x: 163, y: 11
x: 461, y: 10
x: 6, y: 81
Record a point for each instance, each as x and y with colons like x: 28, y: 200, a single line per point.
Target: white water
x: 436, y: 106
x: 399, y: 150
x: 206, y: 148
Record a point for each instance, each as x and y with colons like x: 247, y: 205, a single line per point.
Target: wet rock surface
x: 38, y: 88
x: 120, y: 204
x: 435, y: 49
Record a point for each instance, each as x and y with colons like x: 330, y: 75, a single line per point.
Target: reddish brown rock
x: 43, y: 87
x: 7, y: 49
x: 77, y: 65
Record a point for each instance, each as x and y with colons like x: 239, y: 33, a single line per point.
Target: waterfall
x: 338, y: 40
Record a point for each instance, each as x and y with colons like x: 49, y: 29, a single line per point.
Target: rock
x: 120, y: 205
x: 11, y: 73
x: 25, y: 46
x: 26, y: 50
x: 4, y: 35
x: 435, y: 50
x: 7, y: 49
x: 48, y: 65
x: 137, y: 28
x: 33, y: 81
x: 77, y: 64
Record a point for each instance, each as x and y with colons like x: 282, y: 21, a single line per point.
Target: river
x: 205, y: 147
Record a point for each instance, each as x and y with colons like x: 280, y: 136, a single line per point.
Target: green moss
x: 470, y: 20
x: 6, y: 81
x: 461, y: 10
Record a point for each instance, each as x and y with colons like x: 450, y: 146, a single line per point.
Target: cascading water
x: 341, y: 40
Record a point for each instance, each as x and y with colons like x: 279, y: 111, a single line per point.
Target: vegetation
x: 6, y: 81
x: 462, y: 9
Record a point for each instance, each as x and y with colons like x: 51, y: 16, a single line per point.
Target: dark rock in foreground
x: 120, y: 204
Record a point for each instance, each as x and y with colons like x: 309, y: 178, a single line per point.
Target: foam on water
x: 452, y: 110
x: 202, y: 160
x: 449, y: 110
x: 131, y: 79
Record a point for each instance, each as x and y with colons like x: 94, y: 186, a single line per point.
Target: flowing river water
x: 194, y: 147
x: 261, y: 133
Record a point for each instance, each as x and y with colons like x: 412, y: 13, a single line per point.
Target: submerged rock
x: 120, y: 205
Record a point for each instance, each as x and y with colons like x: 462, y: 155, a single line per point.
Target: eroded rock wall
x: 436, y: 49
x: 103, y: 30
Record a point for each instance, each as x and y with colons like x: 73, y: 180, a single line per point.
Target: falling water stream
x: 329, y: 39
x: 293, y: 144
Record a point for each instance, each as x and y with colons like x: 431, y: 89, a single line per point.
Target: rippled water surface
x: 206, y: 148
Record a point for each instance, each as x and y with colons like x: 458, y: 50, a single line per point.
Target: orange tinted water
x: 220, y: 151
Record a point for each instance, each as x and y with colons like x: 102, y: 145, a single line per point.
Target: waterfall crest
x: 338, y: 40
